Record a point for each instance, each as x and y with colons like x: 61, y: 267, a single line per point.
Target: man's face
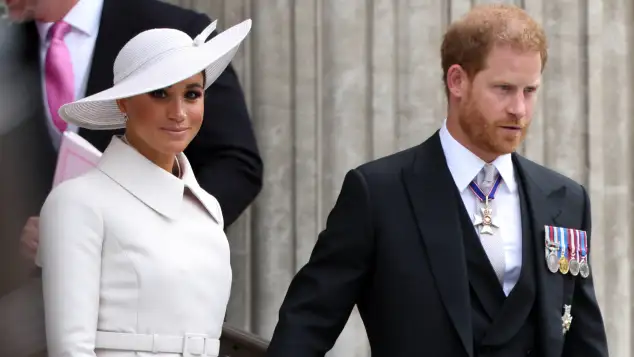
x: 42, y: 10
x: 497, y: 106
x: 21, y: 10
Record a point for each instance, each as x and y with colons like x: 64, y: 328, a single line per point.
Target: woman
x: 135, y: 261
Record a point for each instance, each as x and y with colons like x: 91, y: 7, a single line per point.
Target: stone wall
x: 333, y: 83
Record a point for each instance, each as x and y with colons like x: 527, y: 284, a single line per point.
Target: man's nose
x: 518, y: 106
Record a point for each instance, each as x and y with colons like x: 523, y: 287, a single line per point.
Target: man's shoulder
x: 554, y: 178
x: 157, y: 14
x: 166, y: 10
x: 388, y: 167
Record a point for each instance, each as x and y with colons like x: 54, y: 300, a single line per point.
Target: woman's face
x: 165, y: 121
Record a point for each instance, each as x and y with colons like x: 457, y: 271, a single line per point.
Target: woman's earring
x: 125, y: 117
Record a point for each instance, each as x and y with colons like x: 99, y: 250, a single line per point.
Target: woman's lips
x: 175, y: 130
x: 176, y: 133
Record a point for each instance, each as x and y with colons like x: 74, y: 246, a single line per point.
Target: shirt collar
x: 84, y: 17
x: 155, y: 187
x: 465, y: 165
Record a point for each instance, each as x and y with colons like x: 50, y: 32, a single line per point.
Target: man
x: 224, y: 155
x: 435, y: 272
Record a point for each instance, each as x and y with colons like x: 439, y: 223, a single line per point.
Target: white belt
x: 187, y: 345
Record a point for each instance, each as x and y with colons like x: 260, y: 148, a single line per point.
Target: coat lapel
x: 435, y: 201
x: 544, y: 205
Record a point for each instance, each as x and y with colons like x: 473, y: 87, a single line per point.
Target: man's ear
x: 457, y: 81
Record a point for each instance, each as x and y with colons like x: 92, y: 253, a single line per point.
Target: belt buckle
x: 188, y: 339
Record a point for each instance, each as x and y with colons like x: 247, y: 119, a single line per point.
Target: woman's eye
x: 159, y: 93
x: 193, y: 95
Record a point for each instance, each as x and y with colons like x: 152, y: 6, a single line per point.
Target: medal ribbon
x: 556, y: 240
x: 567, y: 239
x: 573, y: 244
x: 584, y: 245
x: 480, y: 195
x: 551, y: 237
x: 563, y: 241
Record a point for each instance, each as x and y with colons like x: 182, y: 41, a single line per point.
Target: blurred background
x: 331, y: 84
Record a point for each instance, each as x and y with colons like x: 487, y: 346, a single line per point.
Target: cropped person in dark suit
x: 224, y: 155
x: 458, y: 246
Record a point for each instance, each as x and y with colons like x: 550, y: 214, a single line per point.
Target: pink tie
x: 59, y: 73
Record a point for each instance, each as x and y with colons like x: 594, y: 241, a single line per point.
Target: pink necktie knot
x: 59, y: 30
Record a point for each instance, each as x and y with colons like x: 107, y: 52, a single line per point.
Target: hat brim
x: 101, y: 112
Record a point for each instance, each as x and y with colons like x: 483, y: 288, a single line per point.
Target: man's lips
x: 511, y: 127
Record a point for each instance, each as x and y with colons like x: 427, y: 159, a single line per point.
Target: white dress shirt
x: 464, y: 167
x: 84, y: 20
x: 130, y: 248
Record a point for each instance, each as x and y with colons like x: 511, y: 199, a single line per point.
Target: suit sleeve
x: 586, y: 336
x: 224, y: 154
x: 322, y: 294
x: 70, y: 244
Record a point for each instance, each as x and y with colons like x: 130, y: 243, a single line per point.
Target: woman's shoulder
x: 74, y: 205
x: 78, y: 190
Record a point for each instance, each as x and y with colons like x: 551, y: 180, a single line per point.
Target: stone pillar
x: 331, y: 84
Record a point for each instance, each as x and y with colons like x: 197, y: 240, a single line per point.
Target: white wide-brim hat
x: 153, y: 60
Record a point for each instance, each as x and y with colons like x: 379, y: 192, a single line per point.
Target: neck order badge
x: 485, y: 219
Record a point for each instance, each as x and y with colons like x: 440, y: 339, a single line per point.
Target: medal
x: 574, y: 244
x: 485, y: 219
x: 584, y: 268
x: 551, y: 248
x: 563, y: 265
x: 563, y: 251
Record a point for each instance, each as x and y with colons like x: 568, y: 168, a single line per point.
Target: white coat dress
x: 134, y: 261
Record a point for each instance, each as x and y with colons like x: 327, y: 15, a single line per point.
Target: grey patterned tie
x: 492, y: 243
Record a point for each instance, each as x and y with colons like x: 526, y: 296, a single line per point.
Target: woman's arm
x: 71, y: 233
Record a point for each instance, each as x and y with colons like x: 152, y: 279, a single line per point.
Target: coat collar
x: 150, y: 184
